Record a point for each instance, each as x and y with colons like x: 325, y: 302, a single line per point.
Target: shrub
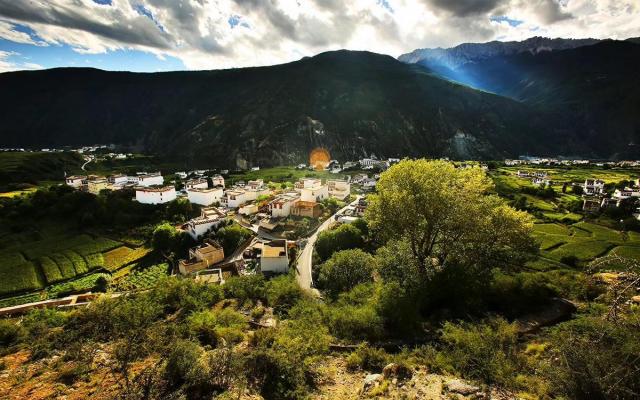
x: 355, y: 322
x: 596, y: 359
x: 367, y: 358
x: 186, y: 295
x: 346, y: 269
x: 344, y: 237
x: 212, y: 327
x: 10, y: 333
x: 182, y: 363
x: 246, y: 287
x: 485, y: 351
x: 283, y: 293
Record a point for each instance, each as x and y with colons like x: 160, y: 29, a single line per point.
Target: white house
x: 205, y: 197
x: 593, y: 186
x: 339, y: 189
x: 234, y: 198
x: 209, y: 217
x: 181, y: 174
x: 312, y: 190
x: 627, y: 193
x: 75, y: 181
x: 196, y: 184
x: 522, y: 174
x: 217, y: 180
x: 248, y: 209
x: 281, y: 205
x: 274, y: 258
x: 118, y: 179
x: 369, y: 183
x: 155, y: 195
x: 146, y: 180
x: 540, y: 181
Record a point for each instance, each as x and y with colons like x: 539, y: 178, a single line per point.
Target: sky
x: 165, y: 35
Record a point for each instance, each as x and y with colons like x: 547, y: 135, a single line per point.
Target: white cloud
x: 7, y: 65
x: 273, y: 31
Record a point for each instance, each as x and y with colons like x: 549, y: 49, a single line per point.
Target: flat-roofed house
x: 339, y: 189
x: 310, y: 209
x: 94, y: 186
x: 155, y: 195
x: 209, y: 217
x: 217, y: 180
x: 118, y: 179
x: 75, y: 181
x: 205, y: 197
x: 146, y: 180
x: 248, y: 209
x: 234, y: 198
x: 593, y: 186
x: 274, y: 258
x: 196, y: 184
x: 282, y: 204
x: 201, y: 257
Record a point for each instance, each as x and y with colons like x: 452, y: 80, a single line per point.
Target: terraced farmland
x: 54, y: 259
x: 584, y: 240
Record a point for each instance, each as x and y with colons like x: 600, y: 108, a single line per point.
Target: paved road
x: 89, y: 159
x: 304, y: 277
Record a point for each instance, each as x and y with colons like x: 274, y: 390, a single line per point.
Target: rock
x: 371, y: 379
x: 460, y: 387
x: 636, y: 299
x: 398, y: 371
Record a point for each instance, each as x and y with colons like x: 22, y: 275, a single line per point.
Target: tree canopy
x: 446, y: 215
x: 346, y: 269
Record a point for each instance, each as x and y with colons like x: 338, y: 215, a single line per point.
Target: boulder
x: 371, y: 379
x: 636, y: 299
x: 460, y: 387
x: 399, y: 371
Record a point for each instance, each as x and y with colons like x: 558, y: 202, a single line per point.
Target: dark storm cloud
x: 137, y: 31
x: 464, y: 8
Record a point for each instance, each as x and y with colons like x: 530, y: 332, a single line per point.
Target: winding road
x: 305, y: 280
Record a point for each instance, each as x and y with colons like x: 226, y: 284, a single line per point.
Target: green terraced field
x: 143, y: 279
x: 627, y: 252
x: 20, y: 277
x: 551, y: 229
x: 118, y: 258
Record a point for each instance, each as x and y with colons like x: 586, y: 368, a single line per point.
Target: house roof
x: 274, y: 249
x: 155, y: 189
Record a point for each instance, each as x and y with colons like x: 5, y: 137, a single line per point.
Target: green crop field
x: 143, y: 278
x: 118, y: 258
x: 82, y: 284
x: 19, y: 277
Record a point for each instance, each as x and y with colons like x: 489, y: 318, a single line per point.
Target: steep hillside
x: 353, y: 103
x: 595, y: 87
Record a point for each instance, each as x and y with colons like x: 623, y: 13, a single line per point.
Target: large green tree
x: 346, y: 269
x: 446, y: 215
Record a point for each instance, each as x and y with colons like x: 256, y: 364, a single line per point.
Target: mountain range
x: 576, y: 98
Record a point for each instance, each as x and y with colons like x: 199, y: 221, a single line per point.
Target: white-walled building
x: 274, y: 258
x: 196, y: 184
x: 118, y: 179
x: 205, y: 197
x: 75, y: 181
x: 339, y: 189
x: 209, y: 217
x: 155, y: 195
x: 627, y: 193
x: 281, y: 205
x: 235, y: 198
x: 217, y: 180
x: 248, y: 209
x: 146, y: 180
x: 593, y: 186
x: 314, y: 194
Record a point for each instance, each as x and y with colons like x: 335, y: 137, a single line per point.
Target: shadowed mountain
x: 352, y: 103
x: 596, y: 87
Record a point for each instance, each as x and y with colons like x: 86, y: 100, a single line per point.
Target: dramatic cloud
x: 6, y: 64
x: 206, y: 34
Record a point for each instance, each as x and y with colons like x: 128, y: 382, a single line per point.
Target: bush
x: 246, y: 287
x: 283, y: 293
x: 344, y: 270
x: 186, y: 295
x: 355, y: 322
x: 10, y: 333
x: 218, y: 326
x: 596, y: 359
x: 485, y: 351
x: 182, y: 363
x: 570, y: 260
x: 344, y: 237
x: 368, y: 359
